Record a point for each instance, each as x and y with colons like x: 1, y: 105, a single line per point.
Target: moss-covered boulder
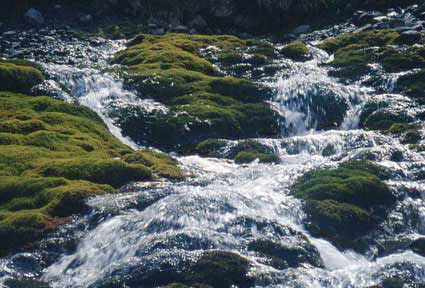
x: 53, y: 156
x: 283, y: 257
x: 220, y: 269
x: 242, y: 152
x: 202, y: 104
x: 296, y: 51
x: 344, y: 204
x: 18, y: 76
x: 354, y: 52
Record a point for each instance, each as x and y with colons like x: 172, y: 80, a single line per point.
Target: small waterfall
x: 306, y: 93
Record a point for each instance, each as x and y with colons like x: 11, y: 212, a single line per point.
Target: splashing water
x: 228, y: 205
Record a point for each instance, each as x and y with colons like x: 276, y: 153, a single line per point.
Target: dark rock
x: 418, y: 246
x: 409, y: 37
x: 303, y: 29
x: 199, y: 23
x: 87, y: 18
x: 34, y: 17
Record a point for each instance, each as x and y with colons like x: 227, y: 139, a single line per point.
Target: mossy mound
x: 202, y: 103
x: 296, y: 51
x: 52, y: 157
x: 160, y: 164
x: 413, y: 85
x: 220, y: 269
x: 344, y: 204
x: 18, y: 76
x: 245, y: 151
x: 355, y: 51
x: 282, y: 257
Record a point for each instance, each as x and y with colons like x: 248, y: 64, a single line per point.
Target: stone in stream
x: 34, y: 17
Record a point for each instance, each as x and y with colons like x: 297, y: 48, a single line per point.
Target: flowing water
x: 226, y: 206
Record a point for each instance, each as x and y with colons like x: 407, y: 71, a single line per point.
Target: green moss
x: 18, y: 78
x: 413, y: 85
x: 113, y: 172
x: 363, y: 39
x: 52, y: 157
x: 248, y: 157
x: 355, y: 51
x: 342, y: 204
x: 203, y: 104
x: 398, y: 128
x: 220, y: 269
x: 210, y: 147
x: 161, y: 164
x: 296, y: 51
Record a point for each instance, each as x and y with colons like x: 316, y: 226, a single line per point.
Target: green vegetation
x: 245, y: 151
x: 220, y: 269
x: 355, y: 51
x: 284, y: 257
x: 202, y: 103
x: 296, y: 51
x: 19, y: 78
x: 413, y: 85
x: 52, y: 157
x: 342, y: 204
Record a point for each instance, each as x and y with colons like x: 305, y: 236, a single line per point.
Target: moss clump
x: 296, y: 51
x: 208, y: 148
x: 245, y: 151
x: 202, y: 103
x: 221, y: 270
x: 284, y: 257
x: 18, y: 76
x: 248, y: 157
x: 413, y: 85
x: 161, y: 164
x: 354, y: 52
x: 52, y: 157
x: 343, y: 204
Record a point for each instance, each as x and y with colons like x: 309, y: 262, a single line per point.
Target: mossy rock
x: 243, y: 152
x: 18, y: 76
x: 343, y: 204
x: 53, y: 156
x: 220, y: 269
x: 355, y: 51
x: 283, y: 257
x: 208, y: 148
x: 413, y: 85
x: 160, y: 163
x: 296, y: 51
x: 202, y: 103
x: 383, y: 120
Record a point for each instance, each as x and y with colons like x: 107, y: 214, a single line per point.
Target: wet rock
x: 25, y: 283
x: 303, y: 29
x: 409, y: 37
x: 159, y: 31
x: 283, y: 257
x: 418, y: 246
x: 180, y: 29
x: 85, y: 19
x: 199, y: 23
x: 34, y: 17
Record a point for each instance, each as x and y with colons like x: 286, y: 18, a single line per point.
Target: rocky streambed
x: 292, y: 163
